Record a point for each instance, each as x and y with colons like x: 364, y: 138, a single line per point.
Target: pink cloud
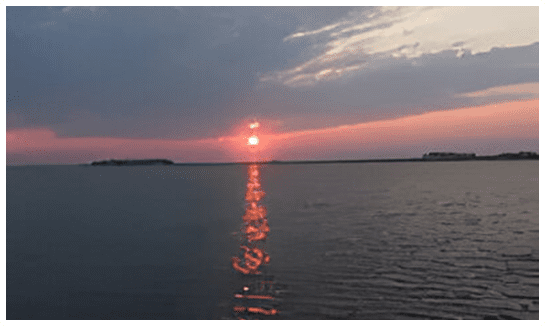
x: 519, y: 119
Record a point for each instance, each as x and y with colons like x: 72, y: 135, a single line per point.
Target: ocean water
x: 419, y: 240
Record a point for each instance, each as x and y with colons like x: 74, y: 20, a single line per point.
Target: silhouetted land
x: 432, y: 156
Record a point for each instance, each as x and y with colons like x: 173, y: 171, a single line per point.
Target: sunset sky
x: 185, y: 83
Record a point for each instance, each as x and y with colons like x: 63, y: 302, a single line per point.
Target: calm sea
x: 454, y: 240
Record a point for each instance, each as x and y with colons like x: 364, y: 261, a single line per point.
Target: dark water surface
x: 357, y: 241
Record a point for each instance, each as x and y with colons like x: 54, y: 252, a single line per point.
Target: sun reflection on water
x: 255, y: 298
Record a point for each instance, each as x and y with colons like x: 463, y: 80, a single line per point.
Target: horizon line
x: 377, y: 160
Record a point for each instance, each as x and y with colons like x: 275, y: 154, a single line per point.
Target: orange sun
x: 253, y: 140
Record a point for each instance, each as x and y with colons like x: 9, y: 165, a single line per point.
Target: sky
x: 185, y: 83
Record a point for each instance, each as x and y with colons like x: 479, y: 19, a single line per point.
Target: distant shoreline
x: 430, y: 157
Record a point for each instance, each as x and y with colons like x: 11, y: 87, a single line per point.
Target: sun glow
x: 253, y: 140
x: 247, y: 144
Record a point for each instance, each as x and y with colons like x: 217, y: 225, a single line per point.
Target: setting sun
x: 253, y: 140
